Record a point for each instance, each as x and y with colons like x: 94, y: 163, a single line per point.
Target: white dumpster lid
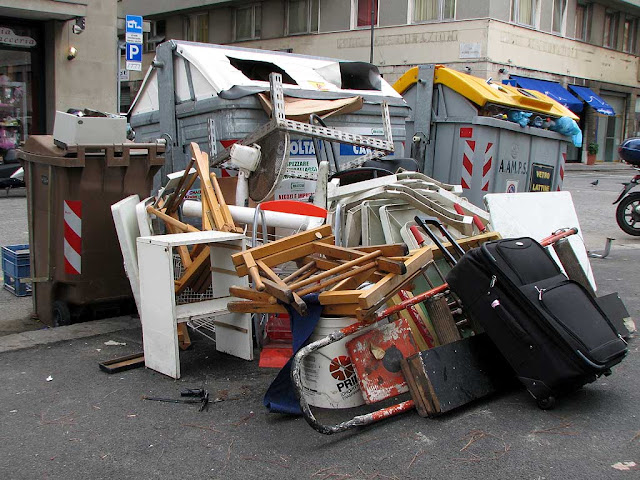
x: 235, y: 72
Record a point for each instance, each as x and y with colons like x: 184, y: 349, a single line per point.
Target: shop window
x: 583, y: 21
x: 611, y: 20
x: 302, y: 16
x: 196, y: 27
x: 248, y: 22
x: 559, y: 16
x: 432, y: 10
x: 362, y: 10
x: 524, y: 12
x: 156, y: 35
x: 21, y: 112
x: 630, y: 35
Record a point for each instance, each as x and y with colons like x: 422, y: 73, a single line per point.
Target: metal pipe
x: 193, y: 208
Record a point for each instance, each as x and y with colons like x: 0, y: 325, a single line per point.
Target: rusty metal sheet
x: 377, y: 355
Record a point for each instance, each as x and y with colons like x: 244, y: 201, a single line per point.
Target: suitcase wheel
x: 546, y: 403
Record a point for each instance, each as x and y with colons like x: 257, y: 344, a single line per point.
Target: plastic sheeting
x: 216, y: 69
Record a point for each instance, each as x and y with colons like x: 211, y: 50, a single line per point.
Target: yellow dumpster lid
x: 482, y: 93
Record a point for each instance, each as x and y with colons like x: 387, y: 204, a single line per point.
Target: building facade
x: 54, y: 55
x: 572, y: 42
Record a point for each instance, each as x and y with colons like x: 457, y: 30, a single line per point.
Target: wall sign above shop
x: 9, y: 37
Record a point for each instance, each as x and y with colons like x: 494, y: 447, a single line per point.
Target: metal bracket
x: 379, y: 148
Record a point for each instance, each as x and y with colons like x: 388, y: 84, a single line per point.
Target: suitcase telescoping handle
x: 424, y: 221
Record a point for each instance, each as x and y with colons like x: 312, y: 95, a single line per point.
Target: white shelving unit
x: 160, y: 314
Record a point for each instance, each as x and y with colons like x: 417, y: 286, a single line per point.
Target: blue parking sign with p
x: 134, y: 52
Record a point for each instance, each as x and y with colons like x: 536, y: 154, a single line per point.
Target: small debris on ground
x: 625, y: 466
x: 112, y: 343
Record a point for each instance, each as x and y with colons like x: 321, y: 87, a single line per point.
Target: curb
x: 19, y: 341
x: 602, y: 167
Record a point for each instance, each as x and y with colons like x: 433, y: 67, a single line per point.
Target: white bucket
x: 328, y: 377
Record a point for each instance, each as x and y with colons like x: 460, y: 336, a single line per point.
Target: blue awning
x: 597, y: 103
x: 550, y: 89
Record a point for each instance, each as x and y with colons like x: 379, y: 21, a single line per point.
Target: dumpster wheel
x: 61, y: 313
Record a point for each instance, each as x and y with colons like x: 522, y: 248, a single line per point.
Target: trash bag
x: 568, y: 127
x: 519, y: 117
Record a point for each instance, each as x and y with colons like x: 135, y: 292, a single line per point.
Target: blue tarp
x: 597, y: 103
x: 550, y: 89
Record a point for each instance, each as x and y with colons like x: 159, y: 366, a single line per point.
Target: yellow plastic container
x: 483, y: 94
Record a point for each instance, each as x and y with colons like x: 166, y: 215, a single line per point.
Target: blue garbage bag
x: 519, y: 117
x: 568, y: 127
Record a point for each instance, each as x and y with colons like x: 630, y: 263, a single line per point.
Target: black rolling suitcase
x: 549, y: 328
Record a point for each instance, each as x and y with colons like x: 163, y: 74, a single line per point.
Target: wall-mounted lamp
x: 503, y: 70
x: 72, y: 53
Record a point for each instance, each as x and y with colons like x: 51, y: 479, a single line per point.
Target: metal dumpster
x: 76, y: 265
x: 459, y: 135
x: 207, y: 94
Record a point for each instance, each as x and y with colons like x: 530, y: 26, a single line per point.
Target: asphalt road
x: 87, y: 424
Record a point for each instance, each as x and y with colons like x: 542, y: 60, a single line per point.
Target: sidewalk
x: 599, y: 167
x: 45, y: 336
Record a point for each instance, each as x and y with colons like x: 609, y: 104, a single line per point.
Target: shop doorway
x: 21, y: 83
x: 610, y: 129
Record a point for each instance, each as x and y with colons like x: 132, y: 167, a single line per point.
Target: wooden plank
x: 252, y: 267
x: 278, y: 258
x: 123, y: 363
x: 224, y: 208
x: 349, y: 254
x: 391, y: 282
x: 184, y: 341
x: 191, y: 273
x: 367, y: 267
x: 305, y: 268
x: 340, y: 297
x: 420, y: 402
x: 391, y: 250
x: 212, y: 211
x: 364, y: 314
x: 285, y: 244
x: 355, y: 281
x: 255, y: 307
x: 283, y: 294
x: 296, y: 301
x: 182, y: 227
x: 340, y: 310
x: 250, y: 294
x: 337, y: 270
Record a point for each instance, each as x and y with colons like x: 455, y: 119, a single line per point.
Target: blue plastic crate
x: 15, y: 286
x: 15, y: 261
x: 15, y: 265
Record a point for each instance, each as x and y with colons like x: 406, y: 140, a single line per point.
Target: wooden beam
x: 285, y: 244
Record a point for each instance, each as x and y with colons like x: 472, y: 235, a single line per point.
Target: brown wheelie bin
x: 76, y: 265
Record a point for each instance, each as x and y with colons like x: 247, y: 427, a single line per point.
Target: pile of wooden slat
x: 333, y: 272
x: 215, y: 216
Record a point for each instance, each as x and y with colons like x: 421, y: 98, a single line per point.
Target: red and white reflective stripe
x: 467, y: 163
x: 73, y: 237
x: 564, y: 160
x: 486, y: 168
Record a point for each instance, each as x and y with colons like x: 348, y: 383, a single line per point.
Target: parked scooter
x: 11, y: 173
x: 628, y: 210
